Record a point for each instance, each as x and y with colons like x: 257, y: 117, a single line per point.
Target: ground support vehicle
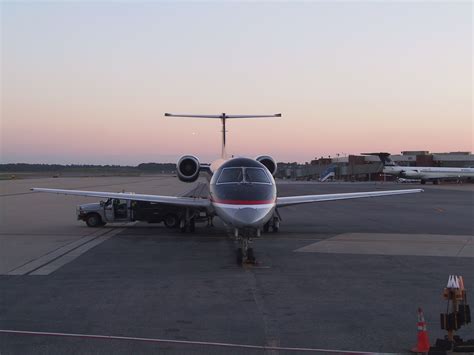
x: 117, y: 210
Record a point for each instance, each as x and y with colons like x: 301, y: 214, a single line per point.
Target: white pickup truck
x: 116, y: 210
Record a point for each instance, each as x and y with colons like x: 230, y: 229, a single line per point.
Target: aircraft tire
x: 183, y: 226
x: 266, y: 227
x: 250, y: 255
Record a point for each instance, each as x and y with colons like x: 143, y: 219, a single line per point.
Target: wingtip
x: 167, y: 114
x: 278, y: 115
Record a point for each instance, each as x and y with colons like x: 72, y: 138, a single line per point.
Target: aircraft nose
x: 252, y: 217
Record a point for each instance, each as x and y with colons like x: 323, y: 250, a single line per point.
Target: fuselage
x: 243, y: 193
x: 419, y: 172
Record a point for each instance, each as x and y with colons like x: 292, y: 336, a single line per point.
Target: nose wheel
x: 245, y: 254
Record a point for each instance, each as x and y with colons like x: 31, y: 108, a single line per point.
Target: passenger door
x: 109, y: 210
x: 120, y: 209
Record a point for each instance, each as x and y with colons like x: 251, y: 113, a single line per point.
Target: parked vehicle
x: 117, y: 210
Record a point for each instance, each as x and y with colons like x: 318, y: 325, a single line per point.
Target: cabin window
x: 231, y: 175
x: 256, y: 175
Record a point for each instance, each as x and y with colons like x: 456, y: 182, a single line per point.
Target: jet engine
x: 188, y: 168
x: 268, y: 162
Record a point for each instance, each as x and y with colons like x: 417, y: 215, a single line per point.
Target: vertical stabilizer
x: 384, y: 158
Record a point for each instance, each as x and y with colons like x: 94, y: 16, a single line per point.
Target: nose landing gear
x: 245, y: 254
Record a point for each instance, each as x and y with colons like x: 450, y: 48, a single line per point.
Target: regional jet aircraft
x: 423, y: 173
x: 242, y: 192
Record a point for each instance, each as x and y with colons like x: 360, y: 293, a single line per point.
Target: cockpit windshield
x: 243, y: 175
x: 231, y: 175
x: 257, y: 175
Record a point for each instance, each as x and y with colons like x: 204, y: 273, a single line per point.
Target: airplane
x: 242, y: 192
x: 423, y: 173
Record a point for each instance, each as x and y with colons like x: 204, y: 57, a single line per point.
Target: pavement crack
x: 270, y: 323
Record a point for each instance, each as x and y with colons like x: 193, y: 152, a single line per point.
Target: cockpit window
x: 230, y: 175
x: 256, y: 175
x: 243, y: 175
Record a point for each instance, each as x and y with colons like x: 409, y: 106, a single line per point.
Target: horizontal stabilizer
x: 223, y: 115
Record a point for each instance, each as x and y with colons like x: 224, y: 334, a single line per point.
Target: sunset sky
x: 89, y: 82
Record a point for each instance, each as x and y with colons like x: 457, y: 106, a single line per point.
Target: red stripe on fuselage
x: 244, y: 202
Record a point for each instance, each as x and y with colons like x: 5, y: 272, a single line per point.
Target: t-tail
x: 223, y: 117
x: 384, y: 158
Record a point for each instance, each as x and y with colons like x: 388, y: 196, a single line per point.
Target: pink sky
x: 344, y: 84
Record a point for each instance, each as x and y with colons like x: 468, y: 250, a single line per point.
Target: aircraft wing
x: 169, y: 200
x: 297, y: 200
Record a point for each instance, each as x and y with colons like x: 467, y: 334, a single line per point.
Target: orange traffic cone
x: 423, y: 343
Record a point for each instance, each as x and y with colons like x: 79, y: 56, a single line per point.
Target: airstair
x: 330, y: 172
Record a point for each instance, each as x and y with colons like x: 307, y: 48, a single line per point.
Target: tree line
x: 143, y: 167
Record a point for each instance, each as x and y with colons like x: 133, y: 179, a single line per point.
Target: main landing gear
x: 273, y: 224
x: 187, y: 225
x: 188, y: 219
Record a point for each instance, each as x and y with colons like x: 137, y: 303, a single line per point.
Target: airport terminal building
x: 368, y: 167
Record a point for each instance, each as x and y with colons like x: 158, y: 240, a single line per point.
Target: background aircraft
x: 243, y: 192
x: 424, y: 173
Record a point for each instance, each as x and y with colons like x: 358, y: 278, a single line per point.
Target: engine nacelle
x: 188, y: 168
x: 268, y: 162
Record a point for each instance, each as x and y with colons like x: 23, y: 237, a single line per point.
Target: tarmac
x: 342, y: 275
